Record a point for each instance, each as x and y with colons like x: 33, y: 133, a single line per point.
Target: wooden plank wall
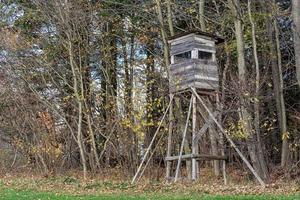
x: 198, y: 74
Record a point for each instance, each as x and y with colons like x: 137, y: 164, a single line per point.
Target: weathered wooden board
x: 202, y: 84
x: 189, y: 62
x: 183, y: 39
x: 190, y: 78
x: 197, y: 157
x: 198, y: 83
x: 205, y: 68
x: 189, y: 46
x: 191, y: 72
x: 210, y: 71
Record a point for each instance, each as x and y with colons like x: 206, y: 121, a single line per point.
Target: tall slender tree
x: 296, y: 29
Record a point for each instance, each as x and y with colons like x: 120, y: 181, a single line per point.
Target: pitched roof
x: 218, y: 39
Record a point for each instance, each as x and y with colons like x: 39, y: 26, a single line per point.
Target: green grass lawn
x: 12, y: 194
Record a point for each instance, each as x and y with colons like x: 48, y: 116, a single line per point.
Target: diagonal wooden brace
x: 183, y: 140
x: 204, y: 128
x: 262, y: 183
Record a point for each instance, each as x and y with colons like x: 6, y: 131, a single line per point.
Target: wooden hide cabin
x: 193, y: 61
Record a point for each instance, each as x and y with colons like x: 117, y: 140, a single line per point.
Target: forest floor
x: 113, y: 185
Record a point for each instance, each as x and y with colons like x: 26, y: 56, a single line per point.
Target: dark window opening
x: 204, y: 55
x: 183, y: 56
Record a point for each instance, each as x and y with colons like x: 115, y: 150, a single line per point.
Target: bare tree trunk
x: 80, y: 106
x: 169, y: 16
x: 285, y: 145
x: 171, y: 112
x: 112, y: 85
x: 163, y: 34
x: 201, y: 14
x: 131, y: 137
x: 261, y: 155
x: 91, y: 130
x: 273, y: 35
x: 77, y: 80
x: 296, y: 30
x: 220, y: 104
x: 245, y: 116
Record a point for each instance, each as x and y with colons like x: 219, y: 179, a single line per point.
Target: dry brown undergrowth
x: 113, y: 181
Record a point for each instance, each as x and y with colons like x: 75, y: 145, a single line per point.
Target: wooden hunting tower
x: 193, y: 75
x: 193, y: 69
x: 193, y: 61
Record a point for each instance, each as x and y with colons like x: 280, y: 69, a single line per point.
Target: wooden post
x: 152, y: 141
x: 221, y: 141
x: 183, y: 141
x: 230, y: 140
x: 169, y: 148
x: 213, y: 135
x: 195, y: 149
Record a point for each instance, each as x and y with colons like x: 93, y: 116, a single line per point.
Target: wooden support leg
x: 214, y: 150
x: 187, y: 150
x: 183, y: 141
x: 221, y: 141
x: 169, y: 148
x: 195, y: 149
x: 213, y: 136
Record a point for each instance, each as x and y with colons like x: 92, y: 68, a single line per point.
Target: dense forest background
x: 84, y: 83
